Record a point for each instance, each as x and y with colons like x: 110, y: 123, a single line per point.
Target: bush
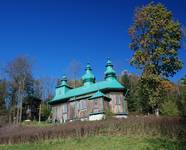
x: 3, y: 120
x: 109, y: 114
x: 169, y: 108
x: 45, y: 111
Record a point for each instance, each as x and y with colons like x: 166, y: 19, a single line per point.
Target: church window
x: 118, y: 100
x: 96, y: 108
x: 64, y: 108
x: 83, y: 105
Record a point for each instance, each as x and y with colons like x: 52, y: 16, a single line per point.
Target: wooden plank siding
x: 116, y: 104
x: 81, y: 108
x: 96, y: 105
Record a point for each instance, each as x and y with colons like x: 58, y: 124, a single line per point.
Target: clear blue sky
x: 54, y: 33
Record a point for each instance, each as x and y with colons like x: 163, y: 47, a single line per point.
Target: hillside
x: 132, y: 133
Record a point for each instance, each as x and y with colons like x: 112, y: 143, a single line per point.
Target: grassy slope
x: 102, y: 143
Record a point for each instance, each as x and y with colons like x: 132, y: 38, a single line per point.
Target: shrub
x: 109, y: 114
x: 169, y: 108
x: 139, y: 126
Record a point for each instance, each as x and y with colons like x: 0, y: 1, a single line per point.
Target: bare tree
x: 19, y: 71
x: 3, y: 93
x: 75, y: 83
x: 73, y: 71
x: 44, y: 87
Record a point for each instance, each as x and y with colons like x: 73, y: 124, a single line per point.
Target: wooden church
x: 92, y: 101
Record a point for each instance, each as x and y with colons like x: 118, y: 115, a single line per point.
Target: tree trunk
x: 21, y: 108
x: 9, y: 117
x: 17, y: 115
x: 14, y: 112
x: 39, y: 113
x: 20, y: 114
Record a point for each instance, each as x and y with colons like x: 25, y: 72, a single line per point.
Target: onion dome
x: 88, y: 78
x: 64, y: 87
x: 63, y: 81
x: 110, y: 73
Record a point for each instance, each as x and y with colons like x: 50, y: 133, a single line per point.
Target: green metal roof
x: 88, y: 77
x: 64, y: 92
x: 102, y: 85
x: 110, y: 72
x: 98, y: 94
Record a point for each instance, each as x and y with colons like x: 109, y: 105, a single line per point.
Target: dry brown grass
x: 152, y: 126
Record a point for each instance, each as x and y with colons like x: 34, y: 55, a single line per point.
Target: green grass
x: 102, y: 143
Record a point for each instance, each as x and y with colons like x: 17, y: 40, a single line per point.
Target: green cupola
x: 63, y: 86
x: 63, y: 81
x: 88, y: 78
x: 110, y: 73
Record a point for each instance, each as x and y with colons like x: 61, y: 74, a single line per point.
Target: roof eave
x: 66, y: 98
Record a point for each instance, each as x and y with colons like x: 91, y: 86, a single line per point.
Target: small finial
x: 88, y: 67
x: 64, y: 78
x: 109, y: 63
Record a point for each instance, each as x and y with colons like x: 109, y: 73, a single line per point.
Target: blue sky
x: 55, y: 33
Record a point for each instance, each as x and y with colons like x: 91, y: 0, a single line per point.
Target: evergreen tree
x: 130, y: 82
x: 3, y: 93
